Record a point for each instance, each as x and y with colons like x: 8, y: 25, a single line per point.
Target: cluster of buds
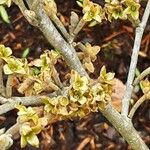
x: 35, y: 77
x: 88, y: 56
x: 31, y: 124
x: 93, y: 12
x: 122, y: 9
x: 113, y: 9
x: 81, y: 97
x: 41, y: 74
x: 12, y: 65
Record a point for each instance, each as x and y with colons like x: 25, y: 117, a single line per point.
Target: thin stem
x: 136, y: 106
x: 78, y: 28
x: 134, y: 59
x: 4, y: 100
x: 2, y: 87
x: 9, y: 85
x: 81, y: 46
x: 142, y: 76
x: 56, y: 78
x: 9, y: 104
x: 21, y: 5
x: 13, y: 130
x: 25, y: 101
x: 61, y: 27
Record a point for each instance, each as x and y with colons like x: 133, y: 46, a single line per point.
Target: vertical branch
x: 2, y: 87
x: 9, y: 85
x: 53, y: 36
x: 134, y: 59
x: 59, y: 43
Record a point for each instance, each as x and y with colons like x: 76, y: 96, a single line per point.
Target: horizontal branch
x: 31, y: 100
x: 9, y: 104
x: 122, y: 124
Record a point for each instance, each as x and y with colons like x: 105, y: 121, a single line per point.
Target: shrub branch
x: 2, y: 87
x: 137, y: 105
x: 122, y: 124
x: 134, y: 59
x: 142, y: 76
x: 43, y: 22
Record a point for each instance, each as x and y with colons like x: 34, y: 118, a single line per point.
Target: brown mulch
x: 116, y: 39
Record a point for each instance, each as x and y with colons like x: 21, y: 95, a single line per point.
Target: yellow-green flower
x: 13, y: 66
x: 115, y: 11
x: 38, y: 87
x: 88, y: 55
x: 51, y: 104
x: 106, y: 77
x: 91, y: 51
x: 30, y: 125
x: 5, y: 51
x: 63, y: 101
x: 132, y: 8
x: 98, y: 93
x: 7, y: 2
x: 113, y: 2
x: 100, y: 96
x: 62, y: 111
x: 54, y: 55
x: 46, y: 61
x: 43, y: 62
x: 26, y: 114
x: 95, y: 13
x: 29, y: 134
x: 85, y: 4
x: 80, y: 112
x: 77, y: 96
x: 79, y: 83
x: 5, y: 140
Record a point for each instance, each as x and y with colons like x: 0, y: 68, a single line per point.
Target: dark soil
x: 93, y: 132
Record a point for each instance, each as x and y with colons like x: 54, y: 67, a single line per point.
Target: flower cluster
x: 5, y: 139
x: 113, y: 9
x: 88, y: 56
x: 30, y: 125
x: 92, y: 12
x: 35, y: 77
x: 12, y: 65
x: 82, y: 96
x: 122, y: 9
x: 42, y: 72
